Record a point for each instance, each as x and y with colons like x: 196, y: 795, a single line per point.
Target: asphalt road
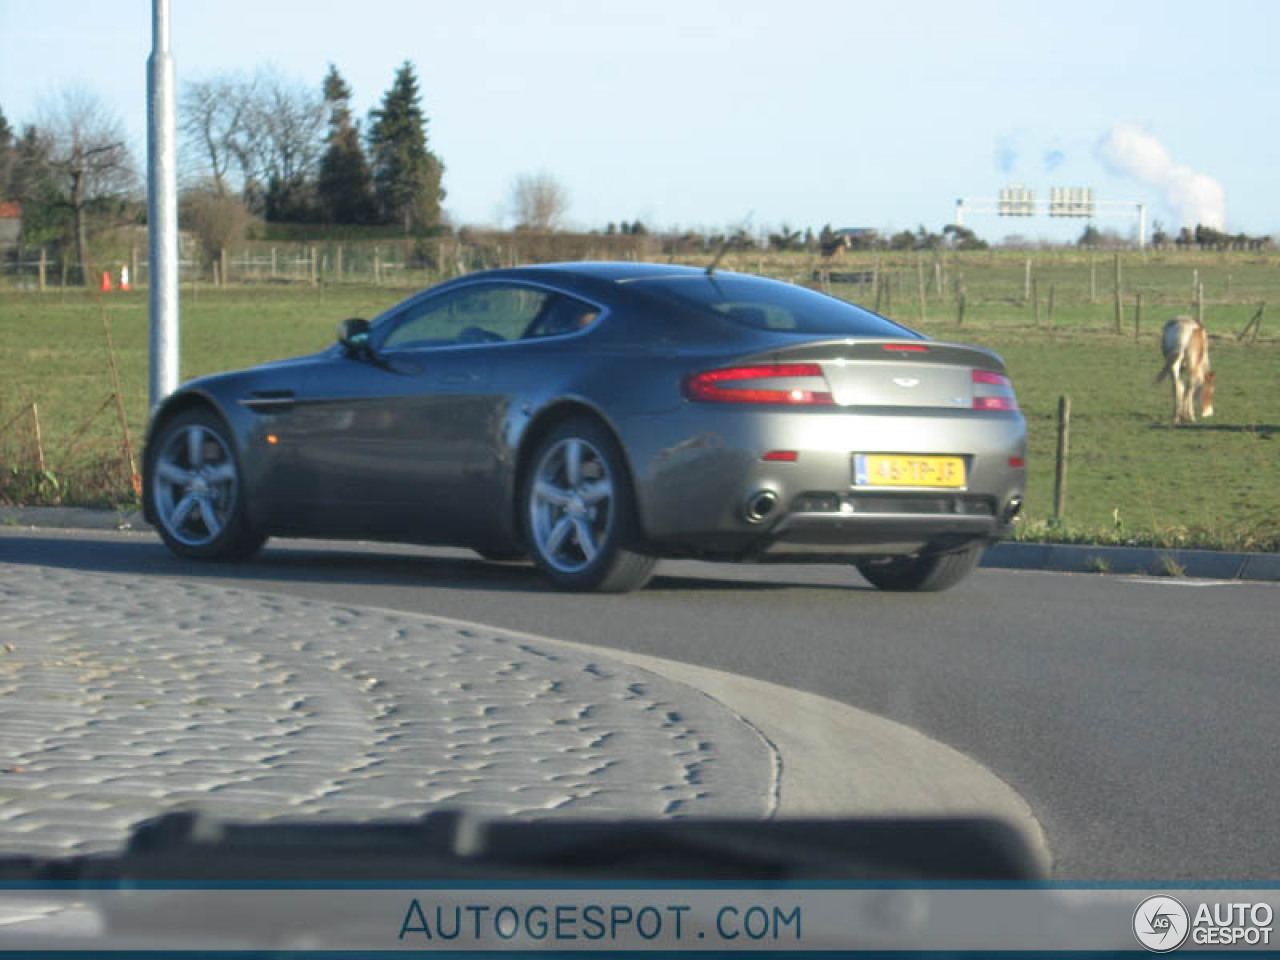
x: 1137, y: 716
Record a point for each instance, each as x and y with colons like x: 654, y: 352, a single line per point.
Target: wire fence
x: 395, y: 263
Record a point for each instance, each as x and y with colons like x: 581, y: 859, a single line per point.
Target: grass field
x: 1133, y: 477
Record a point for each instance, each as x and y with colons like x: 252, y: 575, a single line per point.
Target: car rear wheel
x: 196, y: 489
x: 925, y: 573
x: 579, y: 512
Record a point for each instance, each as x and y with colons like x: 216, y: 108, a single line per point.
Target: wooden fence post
x: 1052, y: 289
x: 960, y: 298
x: 35, y: 426
x: 1093, y: 278
x: 1119, y: 308
x: 1137, y: 317
x: 44, y: 266
x: 1035, y: 297
x: 1200, y: 304
x: 1254, y: 324
x: 1060, y: 463
x: 920, y: 286
x: 1027, y: 283
x: 225, y: 277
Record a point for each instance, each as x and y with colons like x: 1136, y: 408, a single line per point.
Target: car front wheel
x: 579, y: 512
x: 925, y: 573
x: 196, y: 489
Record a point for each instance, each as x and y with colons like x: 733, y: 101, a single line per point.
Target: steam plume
x: 1194, y: 198
x: 1006, y: 154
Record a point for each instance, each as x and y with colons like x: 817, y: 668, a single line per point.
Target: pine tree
x: 406, y: 175
x: 7, y: 155
x: 345, y: 186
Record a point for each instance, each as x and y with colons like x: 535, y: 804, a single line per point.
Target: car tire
x: 195, y: 489
x: 578, y: 512
x: 925, y: 573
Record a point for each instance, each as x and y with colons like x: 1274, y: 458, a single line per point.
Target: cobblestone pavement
x: 121, y: 698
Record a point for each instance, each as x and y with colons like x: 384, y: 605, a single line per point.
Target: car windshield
x: 769, y: 305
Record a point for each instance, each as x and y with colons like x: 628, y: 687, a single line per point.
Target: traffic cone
x: 124, y: 279
x: 106, y: 281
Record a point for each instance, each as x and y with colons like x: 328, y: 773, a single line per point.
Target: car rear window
x: 772, y: 305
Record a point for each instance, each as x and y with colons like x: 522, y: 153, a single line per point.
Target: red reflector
x: 711, y: 385
x: 1017, y: 462
x: 906, y: 347
x: 984, y: 376
x: 781, y: 456
x: 995, y: 403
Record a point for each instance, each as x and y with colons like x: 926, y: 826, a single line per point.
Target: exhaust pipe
x: 1011, y: 509
x: 759, y: 505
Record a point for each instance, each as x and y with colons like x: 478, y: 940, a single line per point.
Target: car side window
x: 493, y: 313
x: 561, y: 315
x: 762, y: 316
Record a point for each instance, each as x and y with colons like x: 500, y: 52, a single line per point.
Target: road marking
x: 1182, y: 582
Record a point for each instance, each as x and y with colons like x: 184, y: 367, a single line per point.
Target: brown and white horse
x: 1186, y: 351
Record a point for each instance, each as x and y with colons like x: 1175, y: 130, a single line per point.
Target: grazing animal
x: 1186, y: 351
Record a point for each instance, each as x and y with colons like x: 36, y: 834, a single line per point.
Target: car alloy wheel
x: 579, y: 512
x: 196, y: 491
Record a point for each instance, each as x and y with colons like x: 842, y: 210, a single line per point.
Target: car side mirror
x: 353, y: 334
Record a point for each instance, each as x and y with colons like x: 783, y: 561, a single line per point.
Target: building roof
x: 10, y: 210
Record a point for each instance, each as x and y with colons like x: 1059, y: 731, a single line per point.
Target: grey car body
x: 429, y: 424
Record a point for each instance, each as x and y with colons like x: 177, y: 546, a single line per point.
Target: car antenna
x: 730, y: 239
x: 724, y: 248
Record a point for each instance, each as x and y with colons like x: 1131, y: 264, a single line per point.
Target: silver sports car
x: 597, y: 416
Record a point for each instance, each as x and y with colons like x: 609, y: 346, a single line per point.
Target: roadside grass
x: 1133, y: 477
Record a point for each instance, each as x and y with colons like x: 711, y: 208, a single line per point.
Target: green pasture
x: 1133, y: 476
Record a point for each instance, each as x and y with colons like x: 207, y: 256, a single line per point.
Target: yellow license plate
x: 884, y: 470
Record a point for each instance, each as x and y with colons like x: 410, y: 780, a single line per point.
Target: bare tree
x: 268, y: 129
x: 288, y: 120
x: 90, y: 158
x: 215, y: 119
x: 218, y: 220
x: 539, y: 201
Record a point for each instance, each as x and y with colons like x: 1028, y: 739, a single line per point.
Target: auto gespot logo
x: 1161, y: 923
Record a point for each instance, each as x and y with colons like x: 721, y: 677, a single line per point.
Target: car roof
x: 616, y: 271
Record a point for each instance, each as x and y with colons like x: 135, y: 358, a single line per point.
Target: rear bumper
x: 812, y: 536
x: 700, y: 473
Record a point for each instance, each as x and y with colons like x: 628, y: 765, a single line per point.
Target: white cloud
x: 1194, y: 198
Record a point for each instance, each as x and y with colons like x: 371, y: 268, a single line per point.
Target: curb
x: 1051, y: 557
x: 1077, y: 558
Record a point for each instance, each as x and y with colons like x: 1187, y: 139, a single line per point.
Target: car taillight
x: 992, y: 391
x: 788, y: 383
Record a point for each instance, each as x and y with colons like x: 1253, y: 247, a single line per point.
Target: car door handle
x: 275, y: 401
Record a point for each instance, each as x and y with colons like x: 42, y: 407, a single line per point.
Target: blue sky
x: 700, y: 113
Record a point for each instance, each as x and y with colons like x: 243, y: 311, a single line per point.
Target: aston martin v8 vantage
x: 595, y: 417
